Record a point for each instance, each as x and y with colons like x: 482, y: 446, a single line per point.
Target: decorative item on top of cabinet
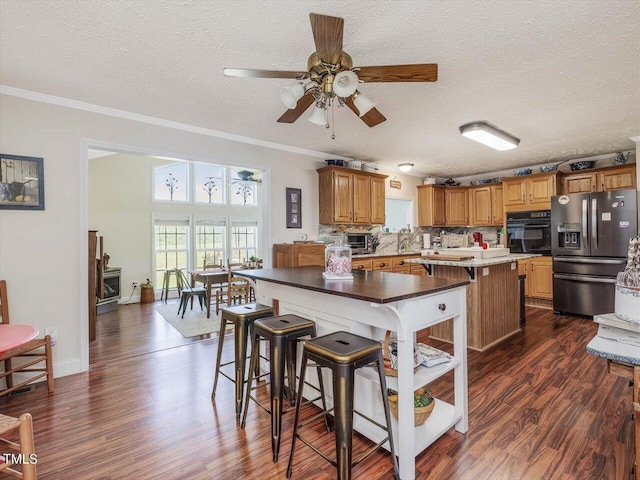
x: 431, y: 206
x: 531, y: 192
x: 456, y: 202
x: 350, y: 197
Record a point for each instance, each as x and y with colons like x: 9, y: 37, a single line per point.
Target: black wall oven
x: 529, y: 232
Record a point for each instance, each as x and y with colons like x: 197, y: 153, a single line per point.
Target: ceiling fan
x: 246, y: 177
x: 331, y: 79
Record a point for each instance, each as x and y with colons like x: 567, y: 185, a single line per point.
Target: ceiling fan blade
x: 372, y: 118
x: 419, y: 72
x: 327, y: 34
x: 250, y: 73
x: 293, y: 114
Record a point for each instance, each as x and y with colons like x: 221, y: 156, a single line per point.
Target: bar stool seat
x: 282, y: 333
x: 344, y: 353
x: 242, y: 318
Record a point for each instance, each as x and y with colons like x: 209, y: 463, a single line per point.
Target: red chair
x: 30, y: 352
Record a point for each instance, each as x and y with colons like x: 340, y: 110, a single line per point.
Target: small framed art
x: 21, y: 183
x: 294, y: 208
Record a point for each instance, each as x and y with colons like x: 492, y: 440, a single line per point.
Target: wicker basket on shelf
x: 389, y: 371
x: 420, y: 414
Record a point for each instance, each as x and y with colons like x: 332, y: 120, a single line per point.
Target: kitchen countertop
x: 476, y: 262
x: 374, y: 287
x: 374, y: 255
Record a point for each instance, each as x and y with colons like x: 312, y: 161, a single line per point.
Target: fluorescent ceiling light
x: 489, y: 135
x: 405, y: 167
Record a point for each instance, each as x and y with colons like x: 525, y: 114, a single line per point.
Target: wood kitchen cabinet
x: 580, y: 183
x: 530, y: 192
x: 348, y: 196
x: 600, y: 180
x: 617, y: 178
x: 485, y: 205
x: 377, y: 201
x: 431, y: 206
x: 298, y: 254
x: 539, y: 281
x: 457, y: 206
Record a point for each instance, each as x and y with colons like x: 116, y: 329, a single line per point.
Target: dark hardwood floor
x: 540, y: 407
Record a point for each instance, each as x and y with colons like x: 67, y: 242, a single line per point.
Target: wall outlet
x: 54, y: 334
x: 134, y: 285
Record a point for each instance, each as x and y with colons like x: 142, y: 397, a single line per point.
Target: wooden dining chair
x: 29, y: 354
x: 187, y: 292
x: 25, y: 448
x: 236, y: 291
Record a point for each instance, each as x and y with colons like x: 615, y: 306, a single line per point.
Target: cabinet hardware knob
x: 383, y: 264
x: 402, y: 263
x: 360, y: 267
x: 442, y: 307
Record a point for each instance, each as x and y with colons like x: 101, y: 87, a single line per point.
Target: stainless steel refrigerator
x: 590, y: 235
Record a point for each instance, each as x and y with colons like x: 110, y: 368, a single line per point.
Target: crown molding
x: 112, y: 112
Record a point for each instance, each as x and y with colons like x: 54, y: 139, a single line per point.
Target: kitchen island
x: 493, y: 299
x: 369, y: 305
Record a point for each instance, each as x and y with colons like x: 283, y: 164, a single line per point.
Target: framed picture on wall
x: 21, y: 183
x: 294, y: 208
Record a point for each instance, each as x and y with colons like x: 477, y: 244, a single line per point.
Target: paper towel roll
x: 426, y: 240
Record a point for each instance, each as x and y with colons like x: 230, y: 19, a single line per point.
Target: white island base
x: 332, y: 310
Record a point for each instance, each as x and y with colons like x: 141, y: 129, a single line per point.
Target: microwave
x: 360, y: 242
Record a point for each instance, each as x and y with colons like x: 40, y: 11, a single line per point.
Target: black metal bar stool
x: 344, y: 353
x: 283, y: 333
x: 242, y: 318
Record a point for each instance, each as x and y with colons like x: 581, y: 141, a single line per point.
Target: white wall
x: 43, y: 254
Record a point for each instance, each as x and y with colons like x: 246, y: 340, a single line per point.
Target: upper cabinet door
x: 377, y: 201
x: 617, y: 178
x: 361, y: 199
x: 456, y: 205
x: 514, y: 191
x: 342, y: 196
x: 541, y: 189
x: 497, y: 206
x: 431, y: 206
x: 480, y: 206
x: 580, y: 183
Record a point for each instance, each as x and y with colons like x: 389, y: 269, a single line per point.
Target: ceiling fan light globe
x: 345, y: 83
x: 291, y: 94
x: 363, y: 104
x: 318, y: 116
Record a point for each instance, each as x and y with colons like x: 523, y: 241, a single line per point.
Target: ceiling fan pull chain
x: 333, y: 121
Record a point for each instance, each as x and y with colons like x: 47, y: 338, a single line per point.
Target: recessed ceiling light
x: 489, y: 135
x: 405, y: 167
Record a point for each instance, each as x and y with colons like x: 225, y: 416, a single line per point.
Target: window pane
x: 171, y: 247
x: 209, y: 183
x: 171, y: 182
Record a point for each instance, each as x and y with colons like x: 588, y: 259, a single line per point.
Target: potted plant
x: 423, y: 403
x: 253, y: 261
x: 147, y: 294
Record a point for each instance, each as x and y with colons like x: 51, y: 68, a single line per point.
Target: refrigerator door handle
x: 585, y: 212
x: 584, y: 278
x: 594, y: 221
x: 608, y: 261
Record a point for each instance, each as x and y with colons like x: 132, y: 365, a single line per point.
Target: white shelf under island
x: 369, y: 305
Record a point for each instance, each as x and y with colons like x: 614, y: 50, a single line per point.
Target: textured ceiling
x: 563, y: 76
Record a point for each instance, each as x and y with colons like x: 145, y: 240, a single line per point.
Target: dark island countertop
x: 375, y: 287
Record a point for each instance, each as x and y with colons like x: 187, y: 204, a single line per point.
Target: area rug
x: 194, y: 323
